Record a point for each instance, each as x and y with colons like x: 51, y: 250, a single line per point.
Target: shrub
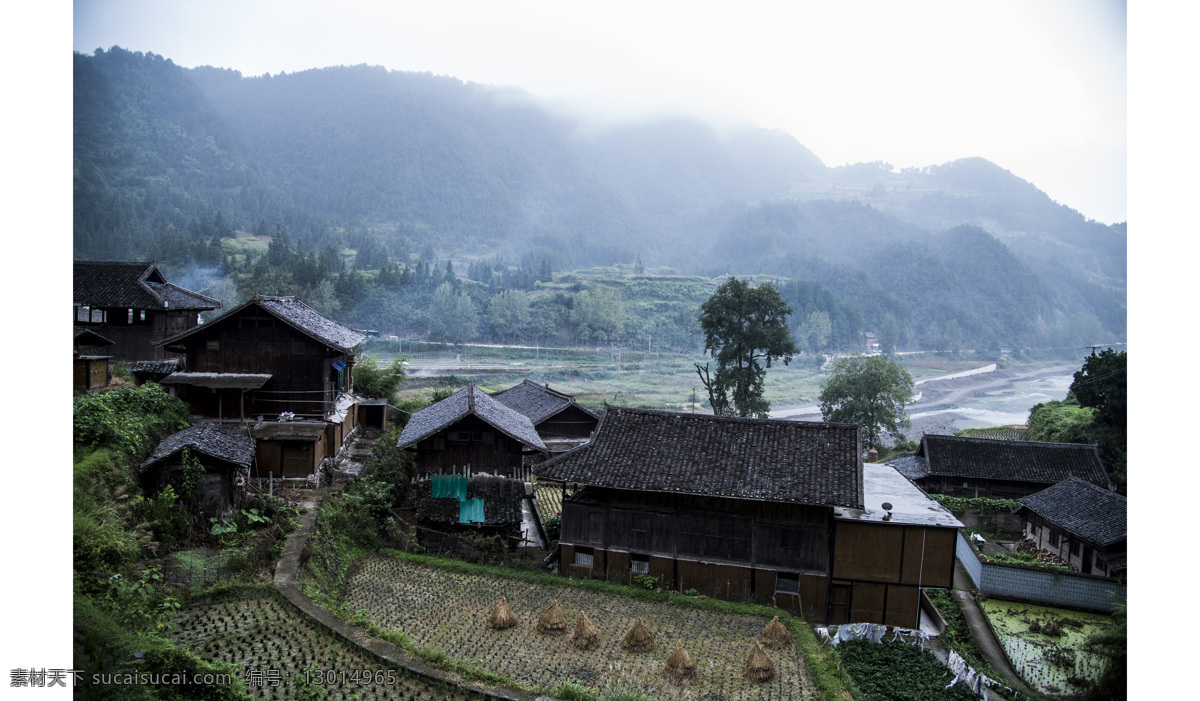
x: 130, y: 420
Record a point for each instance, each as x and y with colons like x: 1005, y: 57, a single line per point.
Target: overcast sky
x: 1036, y: 87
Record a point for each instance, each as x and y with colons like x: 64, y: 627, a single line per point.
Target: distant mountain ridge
x: 428, y: 162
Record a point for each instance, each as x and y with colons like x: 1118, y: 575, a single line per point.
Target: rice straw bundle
x: 759, y: 666
x: 501, y: 617
x: 681, y: 668
x: 638, y: 638
x: 775, y: 636
x: 551, y: 620
x: 586, y: 637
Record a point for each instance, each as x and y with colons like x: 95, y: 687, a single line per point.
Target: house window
x: 790, y: 538
x: 1074, y: 547
x: 212, y: 345
x: 1053, y: 538
x: 583, y: 557
x: 639, y: 564
x: 88, y: 315
x: 1101, y: 566
x: 787, y: 583
x: 130, y: 320
x: 141, y: 314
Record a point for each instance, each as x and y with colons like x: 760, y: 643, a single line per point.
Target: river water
x: 1001, y: 406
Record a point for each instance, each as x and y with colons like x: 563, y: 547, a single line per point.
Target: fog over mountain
x: 418, y: 163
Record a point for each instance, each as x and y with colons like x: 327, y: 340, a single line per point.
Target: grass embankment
x: 128, y: 591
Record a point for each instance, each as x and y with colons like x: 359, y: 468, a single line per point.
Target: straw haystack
x: 681, y: 668
x: 586, y: 637
x: 501, y: 617
x: 551, y: 620
x: 759, y: 666
x: 775, y: 636
x: 638, y: 638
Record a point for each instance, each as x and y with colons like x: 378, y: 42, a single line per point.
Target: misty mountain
x: 411, y: 162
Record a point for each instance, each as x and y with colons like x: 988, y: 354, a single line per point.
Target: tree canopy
x: 1100, y: 384
x: 743, y: 325
x: 868, y: 390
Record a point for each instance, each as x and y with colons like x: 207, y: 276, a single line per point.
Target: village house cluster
x: 778, y: 511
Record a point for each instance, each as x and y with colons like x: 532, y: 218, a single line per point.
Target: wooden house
x: 133, y: 305
x: 560, y: 421
x: 278, y: 363
x: 470, y: 431
x: 734, y: 508
x: 90, y: 365
x: 1004, y: 469
x: 1081, y: 523
x: 226, y: 451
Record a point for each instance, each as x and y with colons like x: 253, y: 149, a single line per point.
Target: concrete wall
x: 1079, y: 591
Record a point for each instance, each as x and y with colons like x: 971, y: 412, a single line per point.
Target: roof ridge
x: 714, y: 417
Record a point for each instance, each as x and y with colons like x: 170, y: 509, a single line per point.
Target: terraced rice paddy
x: 284, y: 655
x: 1051, y: 664
x: 440, y: 609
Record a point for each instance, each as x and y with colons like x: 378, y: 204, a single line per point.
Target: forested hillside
x: 366, y: 191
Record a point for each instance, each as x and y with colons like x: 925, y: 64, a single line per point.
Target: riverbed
x: 980, y: 398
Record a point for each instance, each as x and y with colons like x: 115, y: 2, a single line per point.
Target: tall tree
x: 452, y: 315
x: 1100, y: 384
x: 868, y: 390
x: 743, y: 325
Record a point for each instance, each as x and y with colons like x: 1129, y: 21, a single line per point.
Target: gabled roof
x: 216, y: 440
x: 1081, y: 509
x: 87, y: 337
x: 538, y: 402
x: 463, y: 403
x: 1022, y: 461
x: 757, y: 459
x: 294, y: 313
x: 133, y: 286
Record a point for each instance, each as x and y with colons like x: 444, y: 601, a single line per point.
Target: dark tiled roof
x: 1023, y: 461
x: 221, y: 441
x: 87, y: 337
x: 296, y: 314
x: 757, y: 459
x: 470, y: 400
x: 305, y: 318
x: 154, y: 367
x: 133, y: 286
x: 910, y: 466
x: 1083, y: 509
x: 538, y: 402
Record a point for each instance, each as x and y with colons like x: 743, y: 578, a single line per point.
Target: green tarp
x: 448, y: 486
x: 455, y: 487
x: 470, y: 511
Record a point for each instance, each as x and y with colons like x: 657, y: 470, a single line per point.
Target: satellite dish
x: 887, y: 506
